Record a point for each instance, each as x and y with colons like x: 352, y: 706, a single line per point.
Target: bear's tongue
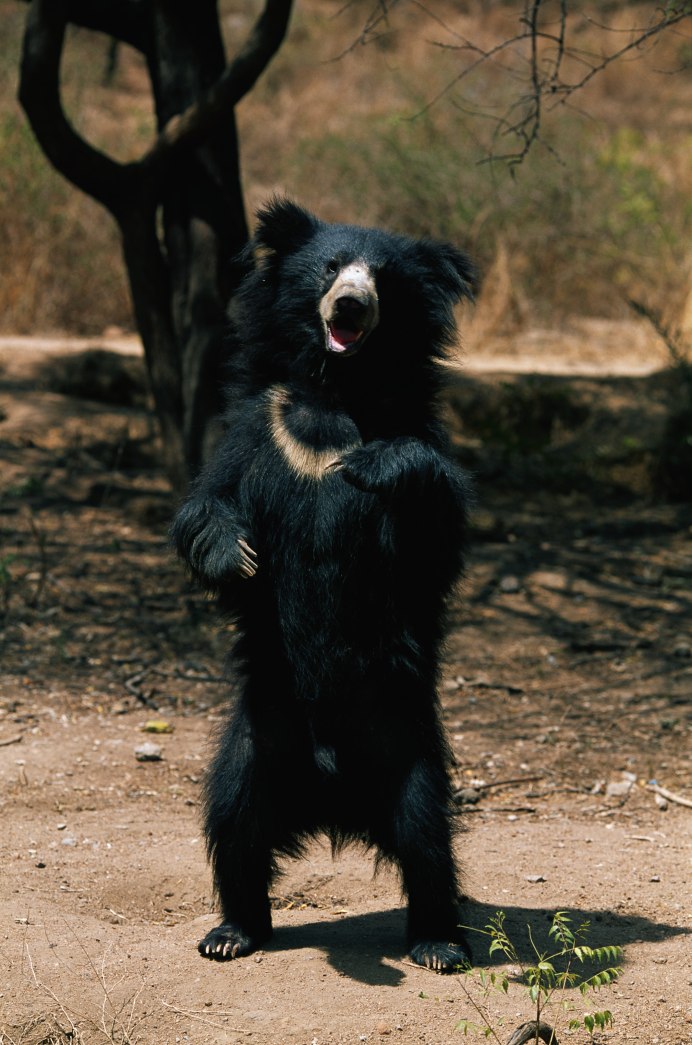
x: 341, y: 338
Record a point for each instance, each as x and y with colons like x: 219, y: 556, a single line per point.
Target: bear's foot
x: 228, y: 941
x: 441, y: 956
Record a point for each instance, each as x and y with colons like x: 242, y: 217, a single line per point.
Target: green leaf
x: 589, y: 1023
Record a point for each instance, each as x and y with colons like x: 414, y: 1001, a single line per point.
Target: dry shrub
x: 42, y: 1030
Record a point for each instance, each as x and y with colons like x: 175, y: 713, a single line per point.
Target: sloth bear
x: 330, y: 525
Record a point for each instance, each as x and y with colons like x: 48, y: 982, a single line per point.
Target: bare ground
x: 569, y: 668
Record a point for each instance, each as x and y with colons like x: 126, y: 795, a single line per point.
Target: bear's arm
x: 405, y: 466
x: 210, y: 532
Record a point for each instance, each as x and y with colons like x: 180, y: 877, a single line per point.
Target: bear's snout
x: 349, y: 309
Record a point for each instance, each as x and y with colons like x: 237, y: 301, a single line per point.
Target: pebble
x: 618, y: 788
x: 510, y: 584
x: 467, y: 796
x: 148, y: 752
x: 535, y: 878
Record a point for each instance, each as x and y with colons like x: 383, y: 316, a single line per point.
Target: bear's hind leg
x: 238, y: 841
x: 421, y: 844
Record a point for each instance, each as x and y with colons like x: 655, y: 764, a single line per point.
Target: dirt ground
x: 567, y: 689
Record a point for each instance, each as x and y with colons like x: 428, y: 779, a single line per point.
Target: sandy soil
x: 569, y: 669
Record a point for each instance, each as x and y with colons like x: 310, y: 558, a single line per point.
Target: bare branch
x: 541, y: 50
x: 39, y: 93
x: 191, y: 127
x: 122, y: 19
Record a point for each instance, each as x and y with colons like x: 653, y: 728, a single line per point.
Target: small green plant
x: 546, y: 979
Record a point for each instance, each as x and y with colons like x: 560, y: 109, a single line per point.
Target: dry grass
x: 604, y: 216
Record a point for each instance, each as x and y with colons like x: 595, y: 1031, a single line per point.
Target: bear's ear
x: 451, y: 273
x: 283, y: 226
x: 451, y: 269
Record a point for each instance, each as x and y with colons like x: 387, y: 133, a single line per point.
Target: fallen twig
x: 192, y: 1015
x: 506, y: 783
x: 6, y: 741
x: 670, y: 795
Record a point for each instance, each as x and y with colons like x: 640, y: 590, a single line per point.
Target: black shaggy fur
x: 330, y: 524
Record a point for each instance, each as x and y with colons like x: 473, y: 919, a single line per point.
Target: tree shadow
x: 369, y: 947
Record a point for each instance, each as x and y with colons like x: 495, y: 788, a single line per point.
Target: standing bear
x: 330, y: 524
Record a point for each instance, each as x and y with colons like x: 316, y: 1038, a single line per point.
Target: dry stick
x: 51, y: 994
x: 6, y: 741
x: 504, y: 783
x: 200, y: 1019
x: 670, y: 795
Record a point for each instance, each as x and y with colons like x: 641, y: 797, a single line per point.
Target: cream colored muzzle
x: 350, y: 309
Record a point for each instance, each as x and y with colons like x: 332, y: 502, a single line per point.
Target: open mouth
x: 343, y: 336
x: 349, y: 310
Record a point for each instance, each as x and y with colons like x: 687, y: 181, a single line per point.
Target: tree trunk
x: 180, y: 207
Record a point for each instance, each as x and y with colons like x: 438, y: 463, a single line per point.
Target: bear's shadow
x: 369, y: 948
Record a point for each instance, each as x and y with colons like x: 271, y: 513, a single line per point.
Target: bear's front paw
x: 216, y: 556
x: 228, y: 941
x: 247, y: 566
x: 367, y: 468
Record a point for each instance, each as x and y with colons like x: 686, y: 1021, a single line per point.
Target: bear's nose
x: 348, y: 305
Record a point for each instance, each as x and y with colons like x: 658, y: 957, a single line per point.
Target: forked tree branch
x: 191, y: 127
x: 123, y: 19
x: 39, y: 93
x: 113, y: 184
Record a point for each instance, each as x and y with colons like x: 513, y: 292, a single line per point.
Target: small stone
x: 618, y: 788
x: 467, y: 796
x: 148, y: 752
x: 535, y: 878
x: 60, y: 827
x: 661, y: 802
x: 383, y: 1029
x: 69, y: 840
x: 655, y: 878
x: 510, y: 584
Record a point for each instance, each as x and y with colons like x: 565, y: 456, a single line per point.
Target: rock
x: 466, y: 796
x: 148, y: 752
x: 619, y: 788
x: 510, y: 585
x: 535, y: 878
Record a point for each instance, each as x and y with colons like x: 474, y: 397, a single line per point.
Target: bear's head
x: 331, y: 292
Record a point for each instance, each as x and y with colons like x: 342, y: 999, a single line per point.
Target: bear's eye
x: 333, y: 266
